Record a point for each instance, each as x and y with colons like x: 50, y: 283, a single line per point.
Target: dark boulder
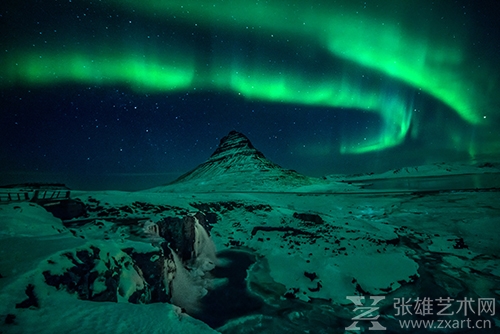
x: 31, y: 301
x: 309, y: 218
x: 65, y: 209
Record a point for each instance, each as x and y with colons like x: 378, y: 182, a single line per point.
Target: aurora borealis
x: 321, y: 87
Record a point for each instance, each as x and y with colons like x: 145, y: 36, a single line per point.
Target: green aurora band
x: 426, y: 57
x: 133, y: 70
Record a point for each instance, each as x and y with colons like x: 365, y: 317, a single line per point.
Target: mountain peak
x: 235, y: 143
x: 237, y: 165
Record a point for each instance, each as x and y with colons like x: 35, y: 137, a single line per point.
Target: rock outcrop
x: 172, y: 270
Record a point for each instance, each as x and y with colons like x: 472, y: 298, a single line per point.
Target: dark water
x: 231, y: 300
x: 452, y: 182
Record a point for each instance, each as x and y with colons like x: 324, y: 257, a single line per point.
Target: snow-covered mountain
x: 236, y: 165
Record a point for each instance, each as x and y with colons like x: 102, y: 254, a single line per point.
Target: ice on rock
x: 205, y: 251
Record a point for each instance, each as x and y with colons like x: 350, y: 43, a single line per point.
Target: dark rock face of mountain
x: 238, y: 162
x: 235, y: 143
x: 235, y: 153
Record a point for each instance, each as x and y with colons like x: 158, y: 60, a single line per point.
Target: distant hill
x: 432, y: 170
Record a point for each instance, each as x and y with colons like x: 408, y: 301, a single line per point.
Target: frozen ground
x: 311, y: 251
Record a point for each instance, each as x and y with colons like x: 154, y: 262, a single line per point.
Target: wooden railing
x: 7, y: 196
x: 47, y: 195
x: 14, y: 196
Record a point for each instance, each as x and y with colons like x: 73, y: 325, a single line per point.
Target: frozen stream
x: 264, y: 309
x: 251, y: 302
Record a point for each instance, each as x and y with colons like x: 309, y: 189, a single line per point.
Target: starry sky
x: 130, y: 94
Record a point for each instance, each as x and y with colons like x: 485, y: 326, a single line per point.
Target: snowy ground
x: 313, y: 249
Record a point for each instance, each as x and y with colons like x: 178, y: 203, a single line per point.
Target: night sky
x: 130, y: 94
